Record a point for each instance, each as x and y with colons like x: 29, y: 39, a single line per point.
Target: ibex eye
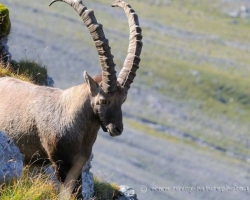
x: 103, y: 101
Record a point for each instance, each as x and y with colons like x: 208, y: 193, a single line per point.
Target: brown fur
x: 61, y: 125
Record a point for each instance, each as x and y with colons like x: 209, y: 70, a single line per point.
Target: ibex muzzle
x: 62, y: 125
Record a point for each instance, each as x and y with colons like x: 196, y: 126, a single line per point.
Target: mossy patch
x: 104, y: 190
x: 5, y: 23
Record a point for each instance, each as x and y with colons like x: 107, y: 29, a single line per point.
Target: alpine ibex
x: 62, y: 125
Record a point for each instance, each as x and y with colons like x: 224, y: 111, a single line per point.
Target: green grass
x: 9, y: 71
x: 220, y: 91
x: 204, y: 149
x: 36, y: 185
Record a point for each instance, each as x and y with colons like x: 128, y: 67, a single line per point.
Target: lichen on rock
x: 5, y: 24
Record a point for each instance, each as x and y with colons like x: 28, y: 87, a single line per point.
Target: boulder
x: 11, y: 160
x: 126, y: 193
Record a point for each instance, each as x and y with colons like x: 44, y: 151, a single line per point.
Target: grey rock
x: 126, y: 193
x: 11, y: 160
x: 50, y: 81
x: 4, y: 49
x: 87, y: 180
x: 234, y: 13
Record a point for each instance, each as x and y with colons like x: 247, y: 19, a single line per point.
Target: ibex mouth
x: 113, y: 130
x: 104, y: 127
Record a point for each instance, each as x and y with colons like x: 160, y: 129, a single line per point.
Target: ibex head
x: 108, y: 92
x: 106, y: 105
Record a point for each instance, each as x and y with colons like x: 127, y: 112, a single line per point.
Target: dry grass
x: 9, y: 71
x: 25, y: 70
x: 31, y: 185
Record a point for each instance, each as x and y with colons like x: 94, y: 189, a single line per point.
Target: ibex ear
x: 93, y: 86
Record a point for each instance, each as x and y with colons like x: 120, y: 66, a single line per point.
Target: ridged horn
x: 131, y: 63
x: 109, y: 80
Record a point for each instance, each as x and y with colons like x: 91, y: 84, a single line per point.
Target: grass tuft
x: 35, y: 184
x: 31, y: 185
x: 104, y: 190
x: 25, y: 70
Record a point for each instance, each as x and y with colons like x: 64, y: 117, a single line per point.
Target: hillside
x: 186, y: 116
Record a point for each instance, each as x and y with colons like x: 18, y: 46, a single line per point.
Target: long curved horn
x: 109, y: 80
x: 131, y: 63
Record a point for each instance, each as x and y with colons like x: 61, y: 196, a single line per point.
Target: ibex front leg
x: 71, y: 177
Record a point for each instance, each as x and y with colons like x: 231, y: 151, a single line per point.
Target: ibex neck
x: 76, y: 100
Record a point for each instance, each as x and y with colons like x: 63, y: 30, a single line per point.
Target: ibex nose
x: 114, y: 130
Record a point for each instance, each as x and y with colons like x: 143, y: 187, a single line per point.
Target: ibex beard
x: 62, y: 125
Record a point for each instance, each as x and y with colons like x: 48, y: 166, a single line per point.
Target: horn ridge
x: 109, y: 79
x: 132, y: 61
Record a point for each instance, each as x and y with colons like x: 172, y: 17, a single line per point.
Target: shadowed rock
x: 11, y: 160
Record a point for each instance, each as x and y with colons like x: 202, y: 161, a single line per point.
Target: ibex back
x: 62, y: 125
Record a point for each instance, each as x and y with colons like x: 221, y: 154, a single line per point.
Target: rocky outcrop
x: 50, y: 81
x: 87, y: 180
x: 11, y: 160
